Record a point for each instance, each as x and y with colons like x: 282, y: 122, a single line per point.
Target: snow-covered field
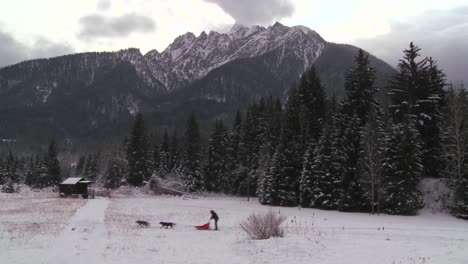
x: 41, y: 229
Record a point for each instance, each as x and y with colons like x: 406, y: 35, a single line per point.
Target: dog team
x: 214, y: 217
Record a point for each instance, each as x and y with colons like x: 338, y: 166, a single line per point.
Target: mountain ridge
x: 212, y: 74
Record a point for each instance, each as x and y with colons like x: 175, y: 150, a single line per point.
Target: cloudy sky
x: 33, y: 29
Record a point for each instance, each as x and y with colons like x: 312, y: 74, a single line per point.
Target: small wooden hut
x: 75, y: 186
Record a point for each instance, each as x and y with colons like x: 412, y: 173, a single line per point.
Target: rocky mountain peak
x: 189, y: 57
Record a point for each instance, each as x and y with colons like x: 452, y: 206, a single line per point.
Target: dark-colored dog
x: 142, y: 223
x: 167, y: 224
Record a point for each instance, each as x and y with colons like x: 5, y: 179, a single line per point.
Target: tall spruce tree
x: 29, y: 171
x: 360, y: 100
x: 311, y: 97
x: 402, y: 170
x: 360, y: 90
x: 174, y: 152
x: 249, y: 151
x: 165, y: 154
x: 10, y: 174
x: 92, y: 167
x: 156, y: 157
x: 347, y: 141
x: 267, y: 193
x: 192, y: 155
x: 323, y: 171
x: 80, y: 166
x: 216, y: 170
x: 115, y: 172
x: 290, y: 154
x: 237, y: 168
x: 53, y: 165
x: 417, y: 89
x: 138, y: 153
x: 40, y: 170
x: 233, y: 150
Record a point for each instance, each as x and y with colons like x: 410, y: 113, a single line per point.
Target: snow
x: 189, y: 58
x: 72, y: 180
x: 82, y: 239
x: 104, y: 231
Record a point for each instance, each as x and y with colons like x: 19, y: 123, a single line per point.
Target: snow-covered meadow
x: 38, y: 228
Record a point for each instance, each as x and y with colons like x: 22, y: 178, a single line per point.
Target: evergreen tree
x: 307, y: 182
x: 53, y: 165
x: 417, y: 90
x: 138, y: 153
x: 216, y: 170
x: 234, y: 142
x: 115, y: 173
x: 360, y: 90
x: 267, y: 191
x: 2, y: 171
x: 40, y: 170
x: 192, y: 159
x: 10, y: 174
x: 165, y: 154
x: 174, y: 152
x: 311, y: 103
x: 80, y: 166
x: 92, y: 168
x: 402, y: 170
x: 323, y: 172
x: 237, y: 169
x: 29, y: 172
x: 249, y: 148
x: 289, y: 157
x: 156, y: 157
x: 284, y: 187
x: 347, y: 141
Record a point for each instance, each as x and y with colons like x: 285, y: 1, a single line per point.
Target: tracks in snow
x: 84, y: 238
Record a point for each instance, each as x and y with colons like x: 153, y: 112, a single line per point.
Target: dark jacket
x: 214, y: 215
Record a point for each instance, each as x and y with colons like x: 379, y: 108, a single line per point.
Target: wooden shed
x: 75, y: 186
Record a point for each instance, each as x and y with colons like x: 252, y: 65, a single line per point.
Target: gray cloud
x: 98, y: 26
x: 248, y: 12
x: 442, y: 35
x: 12, y: 51
x: 103, y: 5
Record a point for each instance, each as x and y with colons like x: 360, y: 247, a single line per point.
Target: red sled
x: 203, y: 227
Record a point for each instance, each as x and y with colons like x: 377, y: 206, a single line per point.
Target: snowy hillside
x: 39, y: 229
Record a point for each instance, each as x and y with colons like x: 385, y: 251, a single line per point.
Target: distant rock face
x: 190, y: 58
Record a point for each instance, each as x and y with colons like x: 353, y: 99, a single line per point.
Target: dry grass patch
x: 24, y: 217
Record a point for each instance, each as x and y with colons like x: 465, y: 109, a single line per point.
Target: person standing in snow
x: 215, y: 217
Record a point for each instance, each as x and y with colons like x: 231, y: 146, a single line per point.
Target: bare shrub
x: 264, y: 226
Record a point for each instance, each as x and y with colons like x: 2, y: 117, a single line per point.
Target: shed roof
x: 72, y: 181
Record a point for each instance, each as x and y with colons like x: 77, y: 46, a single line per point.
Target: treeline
x: 38, y: 171
x: 358, y: 154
